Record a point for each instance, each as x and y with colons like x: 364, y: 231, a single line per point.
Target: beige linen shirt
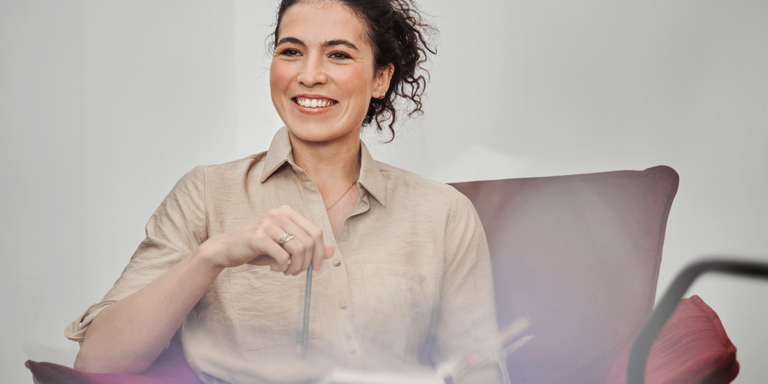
x: 408, y: 287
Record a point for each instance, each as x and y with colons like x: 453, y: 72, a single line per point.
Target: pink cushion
x: 170, y: 368
x: 691, y: 348
x: 580, y: 256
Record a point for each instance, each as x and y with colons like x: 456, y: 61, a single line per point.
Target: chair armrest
x: 691, y: 348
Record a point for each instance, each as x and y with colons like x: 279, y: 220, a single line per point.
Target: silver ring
x: 286, y: 237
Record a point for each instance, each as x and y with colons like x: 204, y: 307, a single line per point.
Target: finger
x: 317, y: 252
x: 298, y: 250
x: 275, y: 267
x: 274, y: 255
x: 262, y: 260
x: 280, y: 265
x: 329, y: 251
x: 300, y: 247
x: 308, y: 260
x: 292, y: 248
x: 313, y: 230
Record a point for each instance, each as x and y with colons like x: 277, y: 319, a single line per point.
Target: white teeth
x: 313, y: 103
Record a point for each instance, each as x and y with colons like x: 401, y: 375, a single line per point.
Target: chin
x: 320, y: 133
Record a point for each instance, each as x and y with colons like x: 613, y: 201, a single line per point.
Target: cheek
x: 357, y: 82
x: 279, y: 76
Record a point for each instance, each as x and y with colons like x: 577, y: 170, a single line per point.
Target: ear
x: 383, y: 78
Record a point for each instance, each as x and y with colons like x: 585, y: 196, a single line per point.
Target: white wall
x: 104, y: 105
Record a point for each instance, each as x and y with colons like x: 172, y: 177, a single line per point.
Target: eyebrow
x: 327, y: 44
x: 333, y: 43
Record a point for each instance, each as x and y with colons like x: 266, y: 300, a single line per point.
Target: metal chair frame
x: 638, y: 356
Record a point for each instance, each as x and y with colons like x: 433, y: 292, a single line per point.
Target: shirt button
x: 337, y: 263
x: 349, y: 336
x: 343, y: 305
x: 352, y: 350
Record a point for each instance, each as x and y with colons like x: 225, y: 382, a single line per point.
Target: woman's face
x: 322, y: 73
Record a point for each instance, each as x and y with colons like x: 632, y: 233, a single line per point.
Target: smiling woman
x: 323, y: 75
x: 408, y: 286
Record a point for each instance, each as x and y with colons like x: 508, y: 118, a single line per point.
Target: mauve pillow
x: 692, y: 348
x: 579, y: 255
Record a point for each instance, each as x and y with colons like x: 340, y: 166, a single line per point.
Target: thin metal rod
x: 307, y: 297
x: 638, y: 355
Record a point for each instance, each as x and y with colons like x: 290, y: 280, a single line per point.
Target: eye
x: 290, y: 52
x: 339, y: 56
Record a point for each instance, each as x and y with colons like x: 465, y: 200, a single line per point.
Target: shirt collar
x: 278, y: 154
x: 370, y: 176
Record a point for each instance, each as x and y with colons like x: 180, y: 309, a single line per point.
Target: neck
x: 332, y: 165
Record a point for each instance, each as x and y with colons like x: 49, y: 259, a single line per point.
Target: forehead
x: 317, y: 21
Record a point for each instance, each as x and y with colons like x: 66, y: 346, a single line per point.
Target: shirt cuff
x: 75, y: 331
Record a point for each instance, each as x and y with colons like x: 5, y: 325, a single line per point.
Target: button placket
x: 344, y: 310
x: 338, y: 274
x: 351, y: 345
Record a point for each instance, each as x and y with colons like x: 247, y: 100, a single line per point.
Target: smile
x: 307, y: 102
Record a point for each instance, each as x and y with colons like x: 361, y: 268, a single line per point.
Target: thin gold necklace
x: 342, y: 195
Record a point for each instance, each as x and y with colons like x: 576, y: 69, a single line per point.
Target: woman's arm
x: 467, y: 320
x: 127, y: 336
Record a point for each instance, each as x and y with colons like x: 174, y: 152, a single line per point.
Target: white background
x: 105, y: 104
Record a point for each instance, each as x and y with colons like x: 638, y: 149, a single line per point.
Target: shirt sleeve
x: 173, y: 231
x: 466, y: 321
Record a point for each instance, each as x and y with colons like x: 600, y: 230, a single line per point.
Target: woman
x: 402, y: 274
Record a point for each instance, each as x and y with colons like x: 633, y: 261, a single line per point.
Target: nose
x: 313, y: 71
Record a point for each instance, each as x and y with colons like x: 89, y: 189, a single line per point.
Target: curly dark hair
x: 399, y: 36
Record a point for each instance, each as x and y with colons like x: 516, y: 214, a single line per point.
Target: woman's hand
x: 257, y: 242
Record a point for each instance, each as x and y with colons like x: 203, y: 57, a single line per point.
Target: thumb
x: 329, y: 251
